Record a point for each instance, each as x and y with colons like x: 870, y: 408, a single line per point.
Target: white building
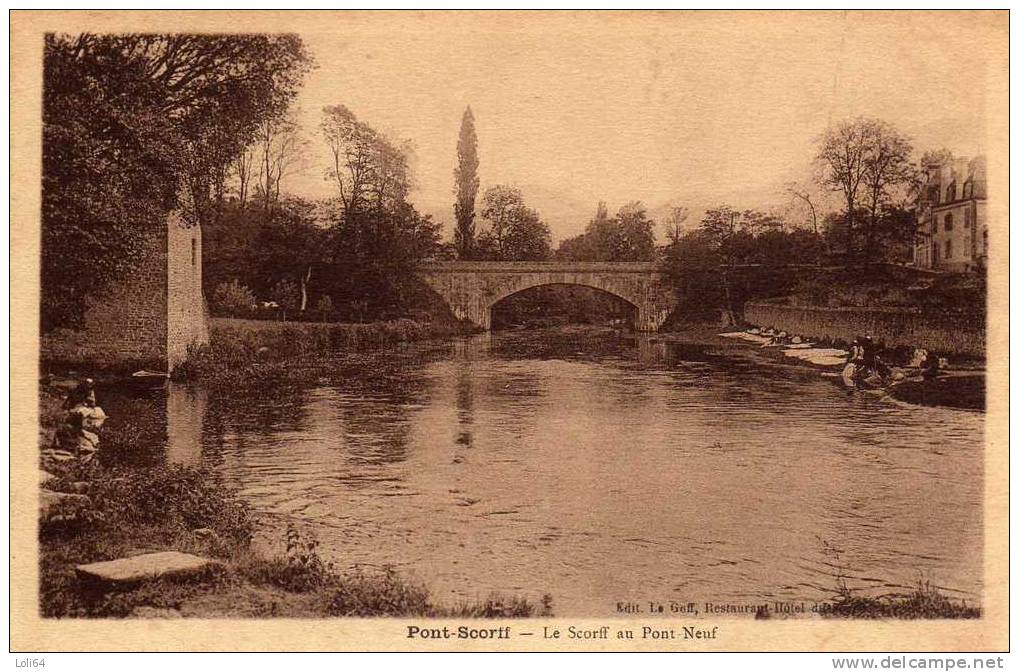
x: 951, y: 217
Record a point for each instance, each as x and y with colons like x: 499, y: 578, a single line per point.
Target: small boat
x: 149, y: 379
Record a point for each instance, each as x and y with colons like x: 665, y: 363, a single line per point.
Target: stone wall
x: 894, y: 327
x: 186, y: 313
x: 127, y: 322
x: 148, y: 318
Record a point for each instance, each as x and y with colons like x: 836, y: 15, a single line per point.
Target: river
x: 602, y: 470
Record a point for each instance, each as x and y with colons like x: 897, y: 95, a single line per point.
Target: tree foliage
x: 375, y: 235
x: 735, y: 256
x: 371, y: 171
x: 868, y: 162
x: 467, y: 183
x: 260, y: 248
x: 135, y: 126
x: 629, y: 236
x: 233, y: 298
x: 515, y: 231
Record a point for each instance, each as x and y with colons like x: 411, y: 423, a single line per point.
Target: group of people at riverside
x: 865, y: 364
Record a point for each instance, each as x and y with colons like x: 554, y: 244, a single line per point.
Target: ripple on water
x: 601, y: 477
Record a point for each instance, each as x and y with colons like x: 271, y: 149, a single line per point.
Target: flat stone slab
x: 61, y: 505
x: 147, y: 567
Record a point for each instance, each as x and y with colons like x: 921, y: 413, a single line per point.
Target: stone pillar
x: 647, y: 319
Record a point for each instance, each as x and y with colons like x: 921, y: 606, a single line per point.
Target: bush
x: 384, y: 594
x: 256, y: 350
x: 286, y: 294
x: 174, y: 497
x: 324, y: 305
x: 232, y: 298
x: 301, y: 570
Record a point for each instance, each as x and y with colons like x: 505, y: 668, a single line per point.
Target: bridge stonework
x: 471, y: 288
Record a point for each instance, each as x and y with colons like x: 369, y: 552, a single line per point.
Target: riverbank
x: 244, y: 350
x: 190, y: 514
x: 961, y: 386
x: 240, y: 348
x: 261, y: 566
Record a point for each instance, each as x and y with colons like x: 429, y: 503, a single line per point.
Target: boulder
x: 125, y: 572
x: 54, y: 506
x: 45, y: 478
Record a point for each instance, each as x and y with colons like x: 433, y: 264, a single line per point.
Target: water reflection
x: 604, y: 469
x: 185, y: 422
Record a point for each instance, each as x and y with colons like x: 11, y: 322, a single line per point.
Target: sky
x: 692, y: 109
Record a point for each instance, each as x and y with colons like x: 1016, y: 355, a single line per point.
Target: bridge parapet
x: 539, y: 267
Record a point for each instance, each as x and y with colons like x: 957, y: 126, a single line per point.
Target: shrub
x: 384, y: 594
x: 498, y: 607
x: 232, y: 298
x: 286, y: 294
x: 300, y: 570
x: 324, y: 305
x: 174, y: 497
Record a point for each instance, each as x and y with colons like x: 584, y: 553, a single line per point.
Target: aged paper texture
x: 509, y: 331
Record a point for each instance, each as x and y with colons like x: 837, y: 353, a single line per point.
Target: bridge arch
x: 509, y: 294
x: 471, y: 288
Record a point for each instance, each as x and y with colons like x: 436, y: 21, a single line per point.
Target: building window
x: 934, y: 223
x: 948, y: 223
x: 950, y: 193
x: 194, y: 251
x: 935, y: 253
x: 933, y: 194
x: 967, y: 189
x: 948, y: 249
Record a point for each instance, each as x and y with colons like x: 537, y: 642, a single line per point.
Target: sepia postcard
x: 509, y: 331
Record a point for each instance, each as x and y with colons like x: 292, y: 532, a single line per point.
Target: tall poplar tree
x: 467, y: 182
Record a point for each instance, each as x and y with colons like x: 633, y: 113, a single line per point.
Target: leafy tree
x: 937, y: 157
x: 135, y: 126
x: 370, y: 171
x: 516, y: 232
x: 674, y: 223
x: 290, y: 245
x: 286, y: 294
x: 868, y: 162
x: 732, y: 257
x: 280, y: 150
x: 629, y: 236
x: 636, y: 240
x: 467, y: 182
x: 375, y: 235
x: 259, y: 248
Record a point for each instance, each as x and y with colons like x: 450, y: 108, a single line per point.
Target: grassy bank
x: 257, y: 349
x: 923, y: 602
x: 189, y: 510
x: 267, y: 569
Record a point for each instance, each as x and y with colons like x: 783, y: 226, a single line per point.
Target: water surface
x: 604, y: 470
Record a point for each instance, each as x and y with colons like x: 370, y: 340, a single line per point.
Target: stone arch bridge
x: 471, y: 288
